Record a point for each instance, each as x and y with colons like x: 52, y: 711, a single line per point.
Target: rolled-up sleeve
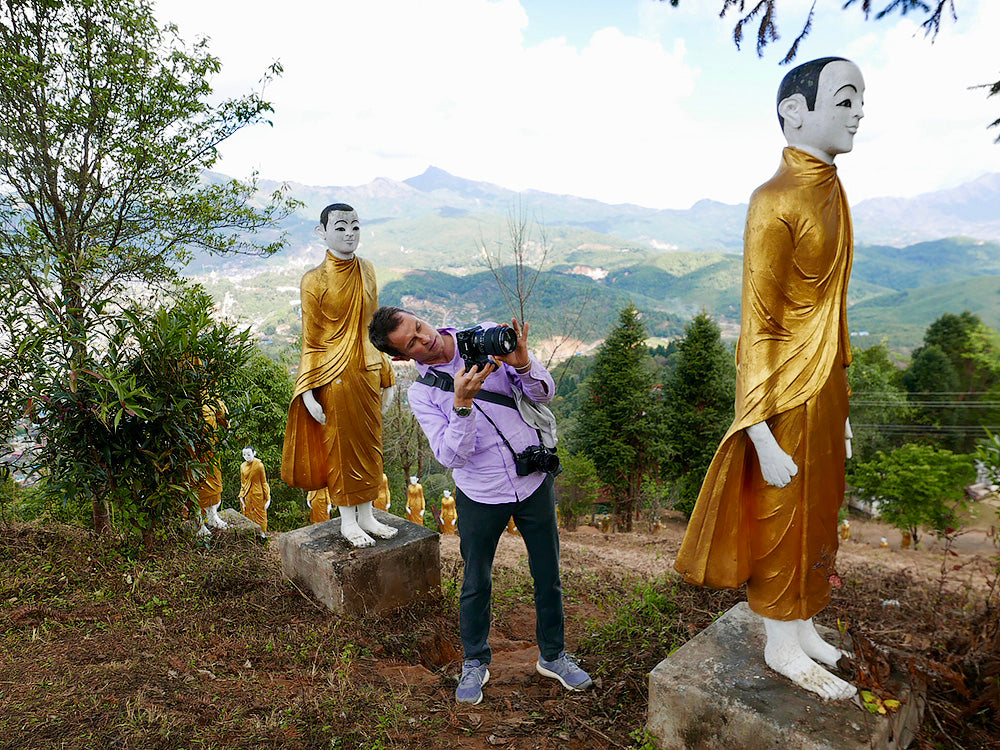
x: 452, y: 438
x: 536, y: 383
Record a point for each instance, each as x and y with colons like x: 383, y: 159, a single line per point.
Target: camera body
x: 477, y: 344
x: 536, y: 458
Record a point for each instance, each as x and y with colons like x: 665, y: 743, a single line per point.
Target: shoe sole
x: 556, y: 676
x: 480, y: 700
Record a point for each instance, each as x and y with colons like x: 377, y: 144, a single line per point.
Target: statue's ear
x: 321, y: 231
x: 791, y: 110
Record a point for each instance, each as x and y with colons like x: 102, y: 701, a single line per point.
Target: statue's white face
x: 248, y: 454
x: 341, y: 233
x: 413, y: 480
x: 829, y: 128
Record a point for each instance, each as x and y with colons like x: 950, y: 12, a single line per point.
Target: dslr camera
x: 536, y: 458
x: 477, y: 344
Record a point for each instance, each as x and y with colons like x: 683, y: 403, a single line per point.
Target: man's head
x: 820, y: 106
x: 402, y: 334
x: 340, y: 229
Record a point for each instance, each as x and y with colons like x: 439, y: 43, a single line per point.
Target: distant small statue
x: 906, y: 541
x: 512, y: 528
x: 415, y: 502
x: 883, y: 543
x: 319, y: 505
x: 449, y: 515
x: 255, y: 492
x: 209, y: 488
x: 845, y: 529
x: 384, y: 499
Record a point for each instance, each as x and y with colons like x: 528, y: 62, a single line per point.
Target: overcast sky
x: 619, y: 100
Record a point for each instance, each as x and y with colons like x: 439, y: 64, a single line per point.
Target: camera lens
x: 497, y: 341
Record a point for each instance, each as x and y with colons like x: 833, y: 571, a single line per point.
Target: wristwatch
x: 463, y: 411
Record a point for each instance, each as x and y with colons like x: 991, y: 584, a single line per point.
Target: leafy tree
x: 107, y: 129
x: 697, y: 407
x: 915, y: 485
x: 615, y: 424
x: 130, y: 433
x: 577, y: 488
x: 879, y: 406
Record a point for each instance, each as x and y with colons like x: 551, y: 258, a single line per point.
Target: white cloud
x: 387, y: 87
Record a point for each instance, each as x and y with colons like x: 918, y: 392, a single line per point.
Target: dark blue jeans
x: 480, y: 527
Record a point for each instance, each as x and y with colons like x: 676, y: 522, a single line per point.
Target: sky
x: 624, y: 101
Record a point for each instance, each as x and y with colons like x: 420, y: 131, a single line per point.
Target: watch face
x: 463, y: 411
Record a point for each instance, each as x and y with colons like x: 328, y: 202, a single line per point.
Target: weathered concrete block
x: 716, y: 693
x: 239, y: 523
x: 356, y: 581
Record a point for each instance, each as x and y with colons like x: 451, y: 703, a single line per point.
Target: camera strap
x: 446, y: 382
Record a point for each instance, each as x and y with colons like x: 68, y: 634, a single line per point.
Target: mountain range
x: 428, y: 237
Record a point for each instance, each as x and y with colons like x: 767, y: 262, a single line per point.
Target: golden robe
x: 415, y: 504
x: 384, y: 499
x: 346, y: 375
x: 791, y: 356
x: 319, y: 505
x: 255, y: 492
x: 210, y: 487
x: 449, y: 516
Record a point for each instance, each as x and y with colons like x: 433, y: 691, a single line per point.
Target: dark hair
x: 384, y: 322
x: 325, y: 213
x: 804, y: 79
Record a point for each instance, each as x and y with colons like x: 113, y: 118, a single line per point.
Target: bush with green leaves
x: 129, y: 432
x: 577, y: 488
x: 915, y: 486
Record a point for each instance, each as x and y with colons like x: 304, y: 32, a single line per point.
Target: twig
x: 593, y: 729
x: 304, y: 596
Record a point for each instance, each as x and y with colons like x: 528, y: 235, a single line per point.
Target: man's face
x: 831, y: 125
x: 417, y: 339
x: 343, y: 230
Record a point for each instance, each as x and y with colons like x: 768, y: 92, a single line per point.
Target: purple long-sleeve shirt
x: 483, y: 467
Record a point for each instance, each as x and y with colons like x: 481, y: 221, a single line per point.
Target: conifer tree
x: 697, y: 407
x: 615, y: 426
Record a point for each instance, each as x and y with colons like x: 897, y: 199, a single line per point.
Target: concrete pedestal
x: 359, y: 581
x: 716, y: 693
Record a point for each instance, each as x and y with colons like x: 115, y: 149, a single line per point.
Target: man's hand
x: 519, y: 357
x: 777, y: 467
x: 313, y: 407
x: 468, y: 384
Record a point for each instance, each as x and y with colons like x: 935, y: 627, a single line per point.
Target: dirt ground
x: 207, y: 646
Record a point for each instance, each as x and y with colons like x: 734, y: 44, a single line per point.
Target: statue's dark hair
x: 803, y: 79
x: 325, y: 213
x: 383, y: 323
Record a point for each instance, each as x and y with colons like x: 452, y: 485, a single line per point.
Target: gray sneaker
x: 475, y: 674
x: 565, y: 670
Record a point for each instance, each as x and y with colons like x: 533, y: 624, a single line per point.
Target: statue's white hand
x: 313, y: 407
x: 848, y: 436
x: 388, y: 396
x: 776, y: 466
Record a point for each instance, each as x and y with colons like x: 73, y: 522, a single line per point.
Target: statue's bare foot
x: 814, y: 646
x: 203, y: 531
x: 366, y: 520
x: 785, y: 655
x: 356, y: 536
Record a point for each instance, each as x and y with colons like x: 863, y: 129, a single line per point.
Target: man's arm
x: 452, y: 438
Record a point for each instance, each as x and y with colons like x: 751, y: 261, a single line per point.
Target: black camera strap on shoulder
x: 446, y: 382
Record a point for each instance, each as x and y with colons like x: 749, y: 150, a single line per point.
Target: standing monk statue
x: 767, y: 512
x: 255, y: 491
x: 334, y: 434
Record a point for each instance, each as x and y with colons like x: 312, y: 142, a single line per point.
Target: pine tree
x: 615, y: 426
x: 697, y: 407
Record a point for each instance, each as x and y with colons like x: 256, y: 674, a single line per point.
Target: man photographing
x: 472, y: 422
